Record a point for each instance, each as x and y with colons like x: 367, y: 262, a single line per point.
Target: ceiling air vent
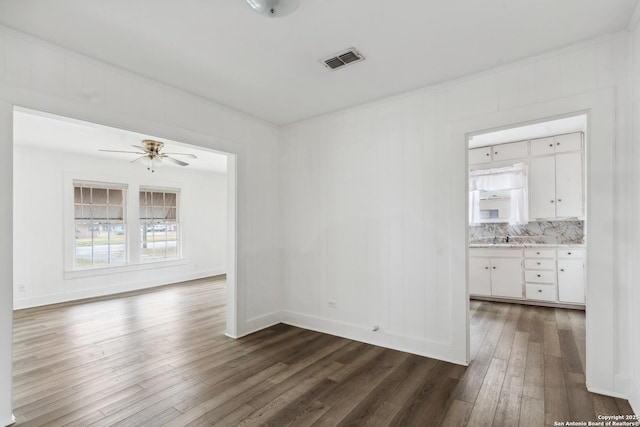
x: 343, y: 58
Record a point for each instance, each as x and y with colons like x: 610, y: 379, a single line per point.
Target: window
x: 100, y: 226
x: 159, y: 227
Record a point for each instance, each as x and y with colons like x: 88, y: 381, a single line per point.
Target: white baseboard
x: 12, y: 421
x: 99, y: 292
x: 260, y: 322
x: 421, y: 347
x: 606, y: 392
x: 634, y: 396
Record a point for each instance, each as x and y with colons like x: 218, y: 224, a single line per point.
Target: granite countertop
x: 527, y: 245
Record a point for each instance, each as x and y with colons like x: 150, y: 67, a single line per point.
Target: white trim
x: 606, y: 392
x: 261, y: 322
x: 19, y: 304
x: 635, y: 18
x: 12, y: 420
x: 634, y: 397
x: 415, y: 345
x: 600, y: 106
x: 233, y: 302
x: 116, y: 269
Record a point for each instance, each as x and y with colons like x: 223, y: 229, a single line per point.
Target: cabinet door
x: 569, y: 184
x: 513, y: 150
x: 542, y: 188
x: 480, y: 155
x: 569, y: 142
x: 506, y: 277
x: 479, y: 276
x: 571, y: 281
x: 543, y: 146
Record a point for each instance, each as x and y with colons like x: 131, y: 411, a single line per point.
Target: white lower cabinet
x: 571, y: 281
x: 540, y: 292
x: 506, y: 277
x: 495, y: 273
x: 479, y: 276
x: 540, y: 274
x: 549, y: 275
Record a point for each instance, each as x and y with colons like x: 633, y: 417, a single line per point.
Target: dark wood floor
x: 159, y: 357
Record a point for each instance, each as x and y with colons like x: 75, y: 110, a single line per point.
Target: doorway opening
x: 94, y: 215
x: 527, y: 232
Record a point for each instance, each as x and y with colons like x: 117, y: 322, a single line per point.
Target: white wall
x: 634, y: 246
x: 374, y: 202
x: 40, y: 275
x: 40, y: 76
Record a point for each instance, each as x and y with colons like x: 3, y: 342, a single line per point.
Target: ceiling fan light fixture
x: 274, y: 8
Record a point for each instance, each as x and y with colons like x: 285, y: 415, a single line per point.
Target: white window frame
x: 145, y: 221
x: 103, y: 221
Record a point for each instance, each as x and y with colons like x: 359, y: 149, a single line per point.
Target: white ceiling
x: 224, y: 51
x: 50, y: 132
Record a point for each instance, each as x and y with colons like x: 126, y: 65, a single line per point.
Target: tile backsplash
x: 543, y: 232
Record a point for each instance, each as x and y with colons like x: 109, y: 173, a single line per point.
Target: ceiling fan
x: 151, y: 156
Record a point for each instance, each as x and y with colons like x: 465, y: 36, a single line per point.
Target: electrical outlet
x: 332, y: 304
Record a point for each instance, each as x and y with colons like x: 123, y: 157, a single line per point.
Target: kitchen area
x: 527, y: 220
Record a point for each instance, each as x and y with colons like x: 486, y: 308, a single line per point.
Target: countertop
x: 527, y: 245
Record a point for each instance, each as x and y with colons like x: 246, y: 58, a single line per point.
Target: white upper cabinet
x: 499, y: 153
x: 556, y: 144
x: 556, y: 177
x: 543, y: 146
x: 510, y: 151
x: 569, y: 192
x: 568, y: 142
x: 542, y: 187
x: 478, y: 156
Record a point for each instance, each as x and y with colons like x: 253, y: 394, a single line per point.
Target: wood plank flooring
x: 159, y: 357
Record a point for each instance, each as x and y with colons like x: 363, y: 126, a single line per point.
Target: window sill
x: 102, y: 271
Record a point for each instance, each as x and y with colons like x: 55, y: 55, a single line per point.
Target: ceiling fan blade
x: 193, y: 156
x: 139, y: 158
x: 118, y: 151
x: 176, y: 161
x: 140, y: 147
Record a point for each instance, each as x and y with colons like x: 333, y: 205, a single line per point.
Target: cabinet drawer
x: 541, y: 276
x: 542, y: 146
x: 513, y: 150
x: 540, y: 292
x: 571, y: 253
x: 539, y: 253
x: 540, y: 264
x: 569, y: 142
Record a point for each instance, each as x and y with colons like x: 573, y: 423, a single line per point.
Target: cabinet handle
x: 550, y: 145
x: 559, y: 200
x: 538, y: 275
x: 539, y: 290
x: 568, y: 253
x: 494, y: 268
x: 557, y: 143
x: 495, y: 152
x: 488, y: 154
x: 553, y: 201
x: 537, y: 253
x: 486, y: 268
x: 562, y: 269
x: 538, y: 262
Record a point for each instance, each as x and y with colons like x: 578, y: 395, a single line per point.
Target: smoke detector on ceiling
x: 342, y: 59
